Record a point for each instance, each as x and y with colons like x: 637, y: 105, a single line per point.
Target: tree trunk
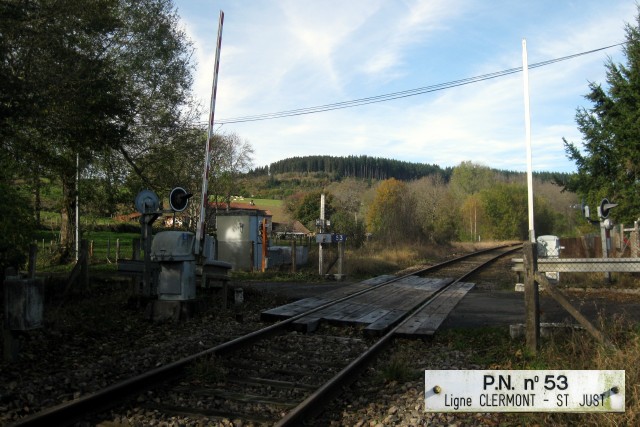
x: 67, y: 217
x: 37, y: 204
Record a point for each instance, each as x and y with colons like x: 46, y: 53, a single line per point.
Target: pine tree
x: 609, y: 163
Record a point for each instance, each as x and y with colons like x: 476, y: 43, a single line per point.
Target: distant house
x: 290, y: 230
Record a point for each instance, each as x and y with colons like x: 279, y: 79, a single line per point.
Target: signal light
x: 605, y: 207
x: 179, y: 199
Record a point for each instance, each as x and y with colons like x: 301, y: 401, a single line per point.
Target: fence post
x: 33, y: 252
x: 340, y: 259
x: 252, y: 250
x: 635, y: 240
x: 136, y: 249
x: 605, y: 236
x: 293, y: 256
x: 621, y: 240
x: 84, y: 264
x: 117, y: 250
x: 531, y: 296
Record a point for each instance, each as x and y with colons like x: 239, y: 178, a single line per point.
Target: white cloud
x: 291, y: 54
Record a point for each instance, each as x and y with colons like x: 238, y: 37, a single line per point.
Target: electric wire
x: 402, y: 94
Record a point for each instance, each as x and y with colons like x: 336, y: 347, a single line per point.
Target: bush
x: 16, y: 228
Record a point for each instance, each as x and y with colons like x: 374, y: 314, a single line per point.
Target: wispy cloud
x: 290, y: 54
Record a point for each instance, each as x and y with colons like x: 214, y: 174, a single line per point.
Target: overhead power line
x: 402, y: 94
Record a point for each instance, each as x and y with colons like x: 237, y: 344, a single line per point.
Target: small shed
x: 239, y: 234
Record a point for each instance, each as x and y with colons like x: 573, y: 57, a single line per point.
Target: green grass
x: 102, y: 246
x: 276, y: 207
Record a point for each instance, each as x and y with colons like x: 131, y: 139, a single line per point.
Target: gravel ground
x: 386, y: 397
x: 103, y: 336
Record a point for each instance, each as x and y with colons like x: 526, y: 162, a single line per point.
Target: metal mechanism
x: 169, y: 267
x: 549, y: 247
x: 173, y: 251
x: 606, y: 225
x: 147, y: 202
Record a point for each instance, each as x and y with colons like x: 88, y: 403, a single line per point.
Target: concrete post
x: 531, y: 296
x: 33, y: 252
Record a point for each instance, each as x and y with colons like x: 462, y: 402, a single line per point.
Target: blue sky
x: 281, y: 55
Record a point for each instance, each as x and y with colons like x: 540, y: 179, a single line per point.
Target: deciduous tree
x: 391, y: 215
x: 305, y: 207
x: 435, y: 209
x: 87, y: 79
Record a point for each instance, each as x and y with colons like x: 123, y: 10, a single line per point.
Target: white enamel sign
x: 524, y: 390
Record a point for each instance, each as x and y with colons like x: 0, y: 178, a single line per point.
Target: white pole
x: 200, y: 232
x: 527, y: 125
x: 320, y: 254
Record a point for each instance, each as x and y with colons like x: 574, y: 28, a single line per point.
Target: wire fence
x: 618, y: 253
x: 100, y: 251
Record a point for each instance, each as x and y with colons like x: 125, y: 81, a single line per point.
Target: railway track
x: 273, y: 376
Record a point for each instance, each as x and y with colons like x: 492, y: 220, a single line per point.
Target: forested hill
x: 364, y: 167
x: 375, y: 168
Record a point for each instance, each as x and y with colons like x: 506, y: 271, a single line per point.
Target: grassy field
x: 276, y: 207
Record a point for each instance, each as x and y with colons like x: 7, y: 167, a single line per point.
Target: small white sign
x: 323, y: 238
x: 524, y: 391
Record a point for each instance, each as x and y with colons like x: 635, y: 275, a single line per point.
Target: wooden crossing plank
x: 371, y: 317
x: 377, y: 280
x: 377, y: 297
x: 445, y: 304
x: 384, y: 323
x: 361, y: 307
x: 311, y: 322
x: 379, y: 309
x: 292, y: 309
x: 416, y: 282
x: 429, y: 319
x: 307, y: 323
x: 404, y: 299
x: 339, y: 310
x: 350, y: 313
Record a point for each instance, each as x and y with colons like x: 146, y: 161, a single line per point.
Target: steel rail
x: 69, y: 412
x: 346, y: 375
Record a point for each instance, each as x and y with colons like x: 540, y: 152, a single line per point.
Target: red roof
x: 239, y: 206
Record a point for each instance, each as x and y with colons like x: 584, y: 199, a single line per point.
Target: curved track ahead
x: 304, y: 393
